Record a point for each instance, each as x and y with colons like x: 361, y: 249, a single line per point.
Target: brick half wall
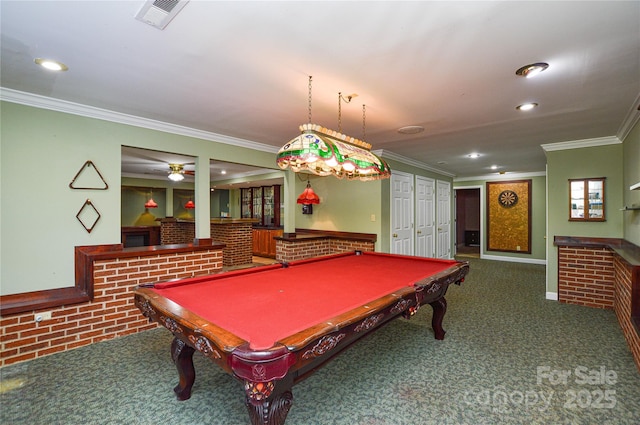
x: 110, y: 314
x: 288, y: 250
x: 586, y: 276
x: 623, y: 305
x: 602, y: 273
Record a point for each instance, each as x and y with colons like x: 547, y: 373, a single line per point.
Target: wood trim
x: 306, y: 234
x: 28, y: 301
x: 625, y: 249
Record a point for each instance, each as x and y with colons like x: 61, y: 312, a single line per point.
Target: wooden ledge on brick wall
x: 625, y: 249
x: 310, y: 234
x: 82, y: 291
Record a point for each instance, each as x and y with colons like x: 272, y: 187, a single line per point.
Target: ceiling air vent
x: 158, y: 13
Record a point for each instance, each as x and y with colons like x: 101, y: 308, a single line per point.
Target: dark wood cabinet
x: 262, y: 203
x: 132, y: 236
x: 471, y: 237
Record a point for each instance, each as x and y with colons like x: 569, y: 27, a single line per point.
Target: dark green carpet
x: 500, y: 330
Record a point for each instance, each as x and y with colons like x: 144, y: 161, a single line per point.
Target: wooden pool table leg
x: 439, y: 309
x: 268, y: 403
x: 182, y: 356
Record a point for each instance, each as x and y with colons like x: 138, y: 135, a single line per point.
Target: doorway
x: 468, y: 222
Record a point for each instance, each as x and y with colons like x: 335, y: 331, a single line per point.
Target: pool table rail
x: 211, y: 340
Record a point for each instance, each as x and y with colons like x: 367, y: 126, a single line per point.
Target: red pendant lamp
x: 307, y: 198
x: 151, y: 203
x: 190, y: 205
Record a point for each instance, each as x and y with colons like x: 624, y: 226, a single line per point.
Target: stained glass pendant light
x: 325, y: 152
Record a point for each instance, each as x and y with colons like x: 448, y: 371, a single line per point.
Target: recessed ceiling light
x: 223, y: 172
x: 411, y: 129
x: 51, y: 64
x: 526, y: 106
x: 532, y: 70
x: 494, y: 167
x: 474, y: 155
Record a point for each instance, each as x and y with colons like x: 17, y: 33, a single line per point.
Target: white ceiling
x: 241, y: 69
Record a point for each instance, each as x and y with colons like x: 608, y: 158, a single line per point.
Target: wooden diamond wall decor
x: 88, y: 215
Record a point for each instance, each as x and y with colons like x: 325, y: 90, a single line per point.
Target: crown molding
x: 43, y: 102
x: 630, y: 120
x: 579, y: 144
x: 409, y: 161
x: 506, y: 176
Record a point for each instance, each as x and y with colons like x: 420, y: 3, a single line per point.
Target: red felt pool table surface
x: 266, y: 304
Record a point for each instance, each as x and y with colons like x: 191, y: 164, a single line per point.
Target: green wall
x: 562, y: 165
x: 40, y: 153
x: 344, y: 205
x: 170, y: 197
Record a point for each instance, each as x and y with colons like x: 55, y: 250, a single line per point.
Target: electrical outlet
x: 39, y: 317
x: 518, y: 248
x: 373, y: 217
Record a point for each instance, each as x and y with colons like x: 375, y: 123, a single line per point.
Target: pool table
x: 272, y: 326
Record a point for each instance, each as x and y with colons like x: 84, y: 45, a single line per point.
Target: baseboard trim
x: 552, y: 296
x: 514, y: 259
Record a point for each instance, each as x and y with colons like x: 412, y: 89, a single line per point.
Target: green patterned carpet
x: 501, y: 362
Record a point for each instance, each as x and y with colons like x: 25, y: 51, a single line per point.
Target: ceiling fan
x: 177, y: 172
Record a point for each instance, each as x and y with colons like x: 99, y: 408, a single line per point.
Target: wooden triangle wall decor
x: 88, y: 164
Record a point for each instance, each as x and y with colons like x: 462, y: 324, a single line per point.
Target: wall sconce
x: 307, y: 198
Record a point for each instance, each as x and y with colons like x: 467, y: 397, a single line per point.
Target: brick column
x: 238, y: 238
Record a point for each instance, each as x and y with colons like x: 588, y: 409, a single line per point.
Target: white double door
x: 424, y: 230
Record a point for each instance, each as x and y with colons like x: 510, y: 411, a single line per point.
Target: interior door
x: 425, y: 217
x: 443, y: 238
x: 401, y: 213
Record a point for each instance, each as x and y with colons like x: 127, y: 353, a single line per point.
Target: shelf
x: 635, y: 186
x: 629, y: 208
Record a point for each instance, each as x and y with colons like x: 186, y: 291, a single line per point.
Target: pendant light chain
x: 364, y: 131
x: 310, y: 99
x: 339, y: 112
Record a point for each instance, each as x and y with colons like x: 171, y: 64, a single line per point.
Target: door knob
x: 419, y: 232
x: 395, y: 235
